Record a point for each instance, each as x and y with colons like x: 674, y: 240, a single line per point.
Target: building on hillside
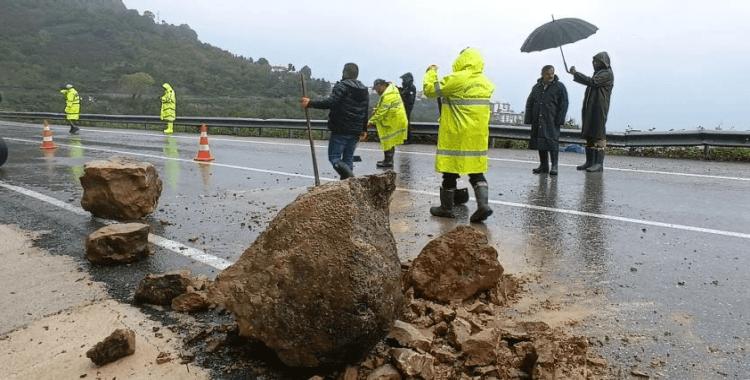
x: 501, y: 113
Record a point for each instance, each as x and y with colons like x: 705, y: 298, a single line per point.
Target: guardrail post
x: 705, y: 150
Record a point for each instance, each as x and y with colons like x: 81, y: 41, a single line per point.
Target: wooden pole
x: 309, y: 134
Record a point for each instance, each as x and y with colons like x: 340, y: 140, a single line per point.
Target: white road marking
x: 212, y: 138
x: 171, y: 245
x: 509, y: 204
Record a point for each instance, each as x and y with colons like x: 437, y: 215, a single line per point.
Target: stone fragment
x: 386, y: 372
x: 119, y: 344
x: 120, y: 188
x: 459, y: 332
x: 321, y: 286
x: 445, y: 354
x: 118, y: 243
x: 479, y: 348
x: 350, y: 373
x: 455, y: 266
x: 161, y: 289
x: 413, y: 364
x: 163, y: 357
x: 409, y: 336
x: 191, y: 301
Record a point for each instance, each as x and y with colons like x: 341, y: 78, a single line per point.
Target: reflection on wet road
x: 650, y: 248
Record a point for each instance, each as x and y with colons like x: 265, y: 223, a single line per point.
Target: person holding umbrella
x: 595, y: 109
x: 546, y: 108
x: 463, y: 134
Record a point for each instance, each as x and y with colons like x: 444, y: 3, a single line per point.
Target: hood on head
x: 469, y: 59
x: 166, y: 86
x: 604, y: 57
x: 407, y: 78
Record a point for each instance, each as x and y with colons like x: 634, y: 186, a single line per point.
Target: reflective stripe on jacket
x: 168, y: 104
x: 463, y: 136
x: 72, y: 103
x: 390, y: 118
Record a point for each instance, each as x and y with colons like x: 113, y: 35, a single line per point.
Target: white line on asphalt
x: 609, y: 168
x: 171, y: 245
x: 510, y: 204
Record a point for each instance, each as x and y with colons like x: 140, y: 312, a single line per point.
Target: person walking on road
x: 408, y: 94
x: 168, y: 107
x: 595, y: 109
x: 72, y: 106
x: 546, y: 108
x: 463, y: 134
x: 347, y: 119
x: 389, y: 116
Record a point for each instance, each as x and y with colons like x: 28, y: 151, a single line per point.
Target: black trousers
x: 450, y: 180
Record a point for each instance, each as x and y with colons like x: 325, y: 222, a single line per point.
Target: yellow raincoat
x: 390, y: 118
x: 72, y: 103
x: 168, y: 103
x: 464, y: 131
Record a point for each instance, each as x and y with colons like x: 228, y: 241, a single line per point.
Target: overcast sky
x: 677, y: 64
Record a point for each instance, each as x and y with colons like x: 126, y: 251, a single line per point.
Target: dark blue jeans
x: 341, y: 148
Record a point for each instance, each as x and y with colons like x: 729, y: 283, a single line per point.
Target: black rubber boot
x: 553, y: 156
x: 388, y: 160
x: 446, y: 204
x: 483, y: 208
x: 589, y: 159
x: 73, y: 128
x: 461, y: 196
x: 343, y: 169
x: 544, y: 166
x: 598, y: 165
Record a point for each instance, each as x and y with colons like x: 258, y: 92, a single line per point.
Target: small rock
x: 119, y: 344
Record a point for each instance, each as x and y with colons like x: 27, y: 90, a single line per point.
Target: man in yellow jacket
x: 389, y: 116
x: 168, y: 105
x: 463, y: 135
x: 72, y: 106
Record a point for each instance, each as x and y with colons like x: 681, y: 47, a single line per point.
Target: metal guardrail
x: 703, y: 137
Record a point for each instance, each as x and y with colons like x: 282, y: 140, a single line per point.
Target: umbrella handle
x: 565, y: 63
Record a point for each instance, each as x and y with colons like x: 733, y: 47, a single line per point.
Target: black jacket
x: 545, y: 111
x: 348, y: 103
x: 596, y: 100
x: 408, y: 93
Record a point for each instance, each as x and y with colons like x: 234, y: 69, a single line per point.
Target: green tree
x: 137, y: 84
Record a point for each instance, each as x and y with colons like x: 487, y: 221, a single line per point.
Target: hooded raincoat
x: 390, y: 118
x: 408, y: 93
x: 546, y: 108
x: 596, y: 100
x: 463, y: 135
x: 72, y: 103
x: 168, y: 103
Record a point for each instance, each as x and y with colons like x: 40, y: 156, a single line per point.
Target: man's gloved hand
x: 306, y: 102
x: 363, y: 136
x: 572, y: 70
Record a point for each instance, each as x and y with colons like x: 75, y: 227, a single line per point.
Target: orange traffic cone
x: 204, y: 154
x: 47, y: 142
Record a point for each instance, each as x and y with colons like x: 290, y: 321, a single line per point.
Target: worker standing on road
x: 595, y: 110
x: 168, y: 107
x: 463, y: 135
x: 409, y: 95
x: 389, y: 116
x: 72, y: 106
x: 347, y: 119
x: 546, y: 108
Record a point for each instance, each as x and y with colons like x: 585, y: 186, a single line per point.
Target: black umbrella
x: 558, y: 33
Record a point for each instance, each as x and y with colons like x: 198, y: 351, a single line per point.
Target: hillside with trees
x: 118, y: 59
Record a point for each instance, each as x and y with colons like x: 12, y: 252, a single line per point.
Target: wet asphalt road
x: 654, y: 251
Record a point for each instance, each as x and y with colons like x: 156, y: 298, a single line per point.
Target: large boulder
x: 321, y: 286
x: 455, y: 266
x: 118, y: 243
x: 120, y: 188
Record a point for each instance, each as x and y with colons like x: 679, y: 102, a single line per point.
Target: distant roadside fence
x: 705, y: 138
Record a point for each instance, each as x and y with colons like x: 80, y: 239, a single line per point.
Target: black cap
x: 378, y: 82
